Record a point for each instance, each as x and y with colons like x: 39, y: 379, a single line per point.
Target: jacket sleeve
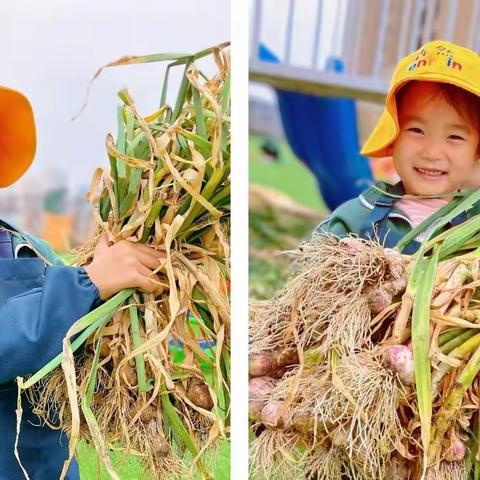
x: 34, y: 323
x: 332, y: 225
x: 347, y: 219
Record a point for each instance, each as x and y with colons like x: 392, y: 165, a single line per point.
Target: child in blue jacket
x: 40, y: 298
x: 430, y: 126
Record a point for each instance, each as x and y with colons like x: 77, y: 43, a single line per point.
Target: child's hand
x: 123, y: 265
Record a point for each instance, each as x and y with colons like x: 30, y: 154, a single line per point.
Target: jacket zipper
x: 427, y: 231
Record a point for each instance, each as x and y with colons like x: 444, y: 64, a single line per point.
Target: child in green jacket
x: 430, y: 126
x: 40, y: 298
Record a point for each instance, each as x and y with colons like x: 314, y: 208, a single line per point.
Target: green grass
x: 287, y: 174
x: 217, y: 459
x: 272, y: 230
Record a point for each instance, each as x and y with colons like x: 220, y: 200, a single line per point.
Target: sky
x: 51, y: 49
x: 274, y: 30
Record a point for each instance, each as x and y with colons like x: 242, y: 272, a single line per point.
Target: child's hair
x: 466, y: 104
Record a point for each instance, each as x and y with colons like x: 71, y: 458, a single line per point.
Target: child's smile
x: 430, y: 173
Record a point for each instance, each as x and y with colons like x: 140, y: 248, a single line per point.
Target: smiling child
x: 430, y: 126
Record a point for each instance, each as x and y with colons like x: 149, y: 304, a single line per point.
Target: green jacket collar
x: 375, y: 196
x: 23, y: 242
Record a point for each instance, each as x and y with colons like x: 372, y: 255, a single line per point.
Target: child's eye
x: 456, y: 137
x: 415, y: 130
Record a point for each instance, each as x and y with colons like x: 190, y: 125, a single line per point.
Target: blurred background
x: 50, y: 51
x: 319, y: 73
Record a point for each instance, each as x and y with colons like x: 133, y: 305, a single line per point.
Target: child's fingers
x: 140, y: 247
x: 150, y: 261
x: 145, y: 284
x: 147, y: 281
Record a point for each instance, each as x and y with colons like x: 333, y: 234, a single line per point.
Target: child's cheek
x: 473, y: 179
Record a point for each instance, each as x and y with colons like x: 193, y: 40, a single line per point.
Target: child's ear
x: 389, y: 151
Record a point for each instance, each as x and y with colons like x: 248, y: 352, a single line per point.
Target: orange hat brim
x: 17, y: 135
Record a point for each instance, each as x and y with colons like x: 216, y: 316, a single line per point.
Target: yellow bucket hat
x: 436, y: 61
x: 17, y: 135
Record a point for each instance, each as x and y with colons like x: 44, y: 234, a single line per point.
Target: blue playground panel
x: 322, y: 132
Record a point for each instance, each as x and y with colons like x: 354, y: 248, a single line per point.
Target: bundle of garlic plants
x: 366, y: 364
x: 151, y: 371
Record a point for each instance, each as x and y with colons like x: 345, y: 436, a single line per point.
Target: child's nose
x: 433, y: 149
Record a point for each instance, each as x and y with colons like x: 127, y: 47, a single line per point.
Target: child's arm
x: 333, y: 226
x: 348, y: 218
x: 34, y: 323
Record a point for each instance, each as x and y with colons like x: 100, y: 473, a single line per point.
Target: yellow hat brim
x: 17, y: 135
x: 387, y: 128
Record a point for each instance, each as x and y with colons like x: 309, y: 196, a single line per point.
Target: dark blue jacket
x: 40, y: 298
x: 374, y: 215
